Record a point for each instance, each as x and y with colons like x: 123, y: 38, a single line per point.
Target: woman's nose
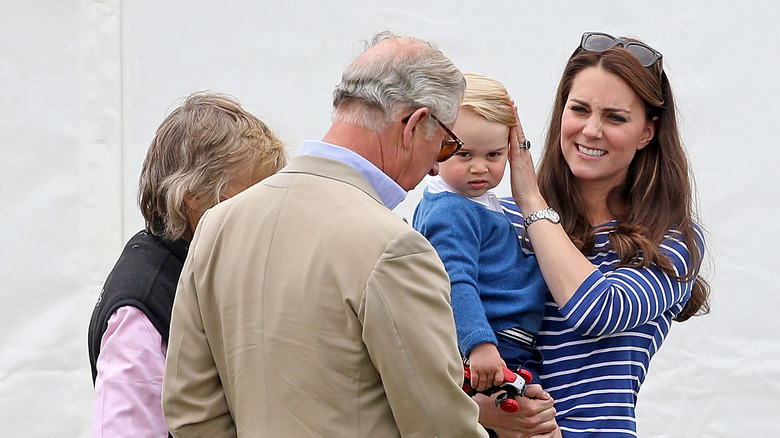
x: 592, y: 127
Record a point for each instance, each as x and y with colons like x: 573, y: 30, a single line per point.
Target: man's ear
x: 415, y: 123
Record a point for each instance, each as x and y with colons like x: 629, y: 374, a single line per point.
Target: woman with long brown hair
x: 611, y: 221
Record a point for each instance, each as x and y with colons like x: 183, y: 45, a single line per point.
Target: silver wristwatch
x: 547, y: 213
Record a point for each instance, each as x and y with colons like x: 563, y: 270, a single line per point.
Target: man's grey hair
x: 398, y: 81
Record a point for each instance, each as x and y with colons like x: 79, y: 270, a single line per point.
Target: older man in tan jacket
x: 306, y: 307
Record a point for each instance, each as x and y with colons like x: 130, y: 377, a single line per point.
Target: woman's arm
x: 592, y: 302
x: 627, y: 297
x: 563, y: 266
x: 129, y: 380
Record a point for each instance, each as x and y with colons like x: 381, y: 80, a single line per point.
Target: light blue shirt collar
x: 388, y: 190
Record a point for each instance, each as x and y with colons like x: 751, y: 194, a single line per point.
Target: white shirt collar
x: 437, y: 185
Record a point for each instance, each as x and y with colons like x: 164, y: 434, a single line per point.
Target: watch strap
x: 546, y: 213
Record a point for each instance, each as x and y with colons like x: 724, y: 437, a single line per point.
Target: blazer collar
x: 333, y: 169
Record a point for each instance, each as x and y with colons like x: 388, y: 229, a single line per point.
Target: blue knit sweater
x: 495, y: 285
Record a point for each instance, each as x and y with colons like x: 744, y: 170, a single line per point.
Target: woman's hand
x: 525, y: 189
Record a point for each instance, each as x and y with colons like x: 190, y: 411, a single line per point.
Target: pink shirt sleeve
x: 129, y: 381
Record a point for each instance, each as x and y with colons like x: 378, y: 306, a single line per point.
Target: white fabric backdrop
x: 86, y: 82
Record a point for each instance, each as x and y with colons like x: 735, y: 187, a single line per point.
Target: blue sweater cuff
x: 476, y: 338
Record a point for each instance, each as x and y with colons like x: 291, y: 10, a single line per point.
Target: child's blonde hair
x: 488, y: 98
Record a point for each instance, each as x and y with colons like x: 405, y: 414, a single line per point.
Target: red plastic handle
x: 509, y: 376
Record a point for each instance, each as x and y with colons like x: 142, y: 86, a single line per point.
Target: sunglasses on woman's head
x: 601, y: 42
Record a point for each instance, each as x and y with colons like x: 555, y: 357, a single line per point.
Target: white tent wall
x: 87, y: 82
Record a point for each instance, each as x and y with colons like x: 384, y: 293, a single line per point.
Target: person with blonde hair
x: 497, y: 288
x: 207, y: 150
x: 611, y: 220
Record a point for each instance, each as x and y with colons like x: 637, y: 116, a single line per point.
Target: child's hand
x: 487, y: 367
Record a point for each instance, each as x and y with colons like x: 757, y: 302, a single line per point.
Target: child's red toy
x: 514, y: 385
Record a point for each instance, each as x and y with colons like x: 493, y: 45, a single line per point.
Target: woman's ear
x: 193, y: 212
x: 648, y: 133
x: 191, y: 201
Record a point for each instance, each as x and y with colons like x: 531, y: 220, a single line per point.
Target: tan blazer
x: 306, y: 308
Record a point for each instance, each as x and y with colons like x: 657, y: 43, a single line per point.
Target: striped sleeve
x: 613, y: 300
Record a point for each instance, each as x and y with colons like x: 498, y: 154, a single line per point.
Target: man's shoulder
x: 366, y: 215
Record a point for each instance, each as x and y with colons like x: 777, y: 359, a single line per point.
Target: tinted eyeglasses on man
x: 448, y: 146
x: 601, y: 42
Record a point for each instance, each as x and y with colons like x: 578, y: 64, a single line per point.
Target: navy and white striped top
x: 598, y: 346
